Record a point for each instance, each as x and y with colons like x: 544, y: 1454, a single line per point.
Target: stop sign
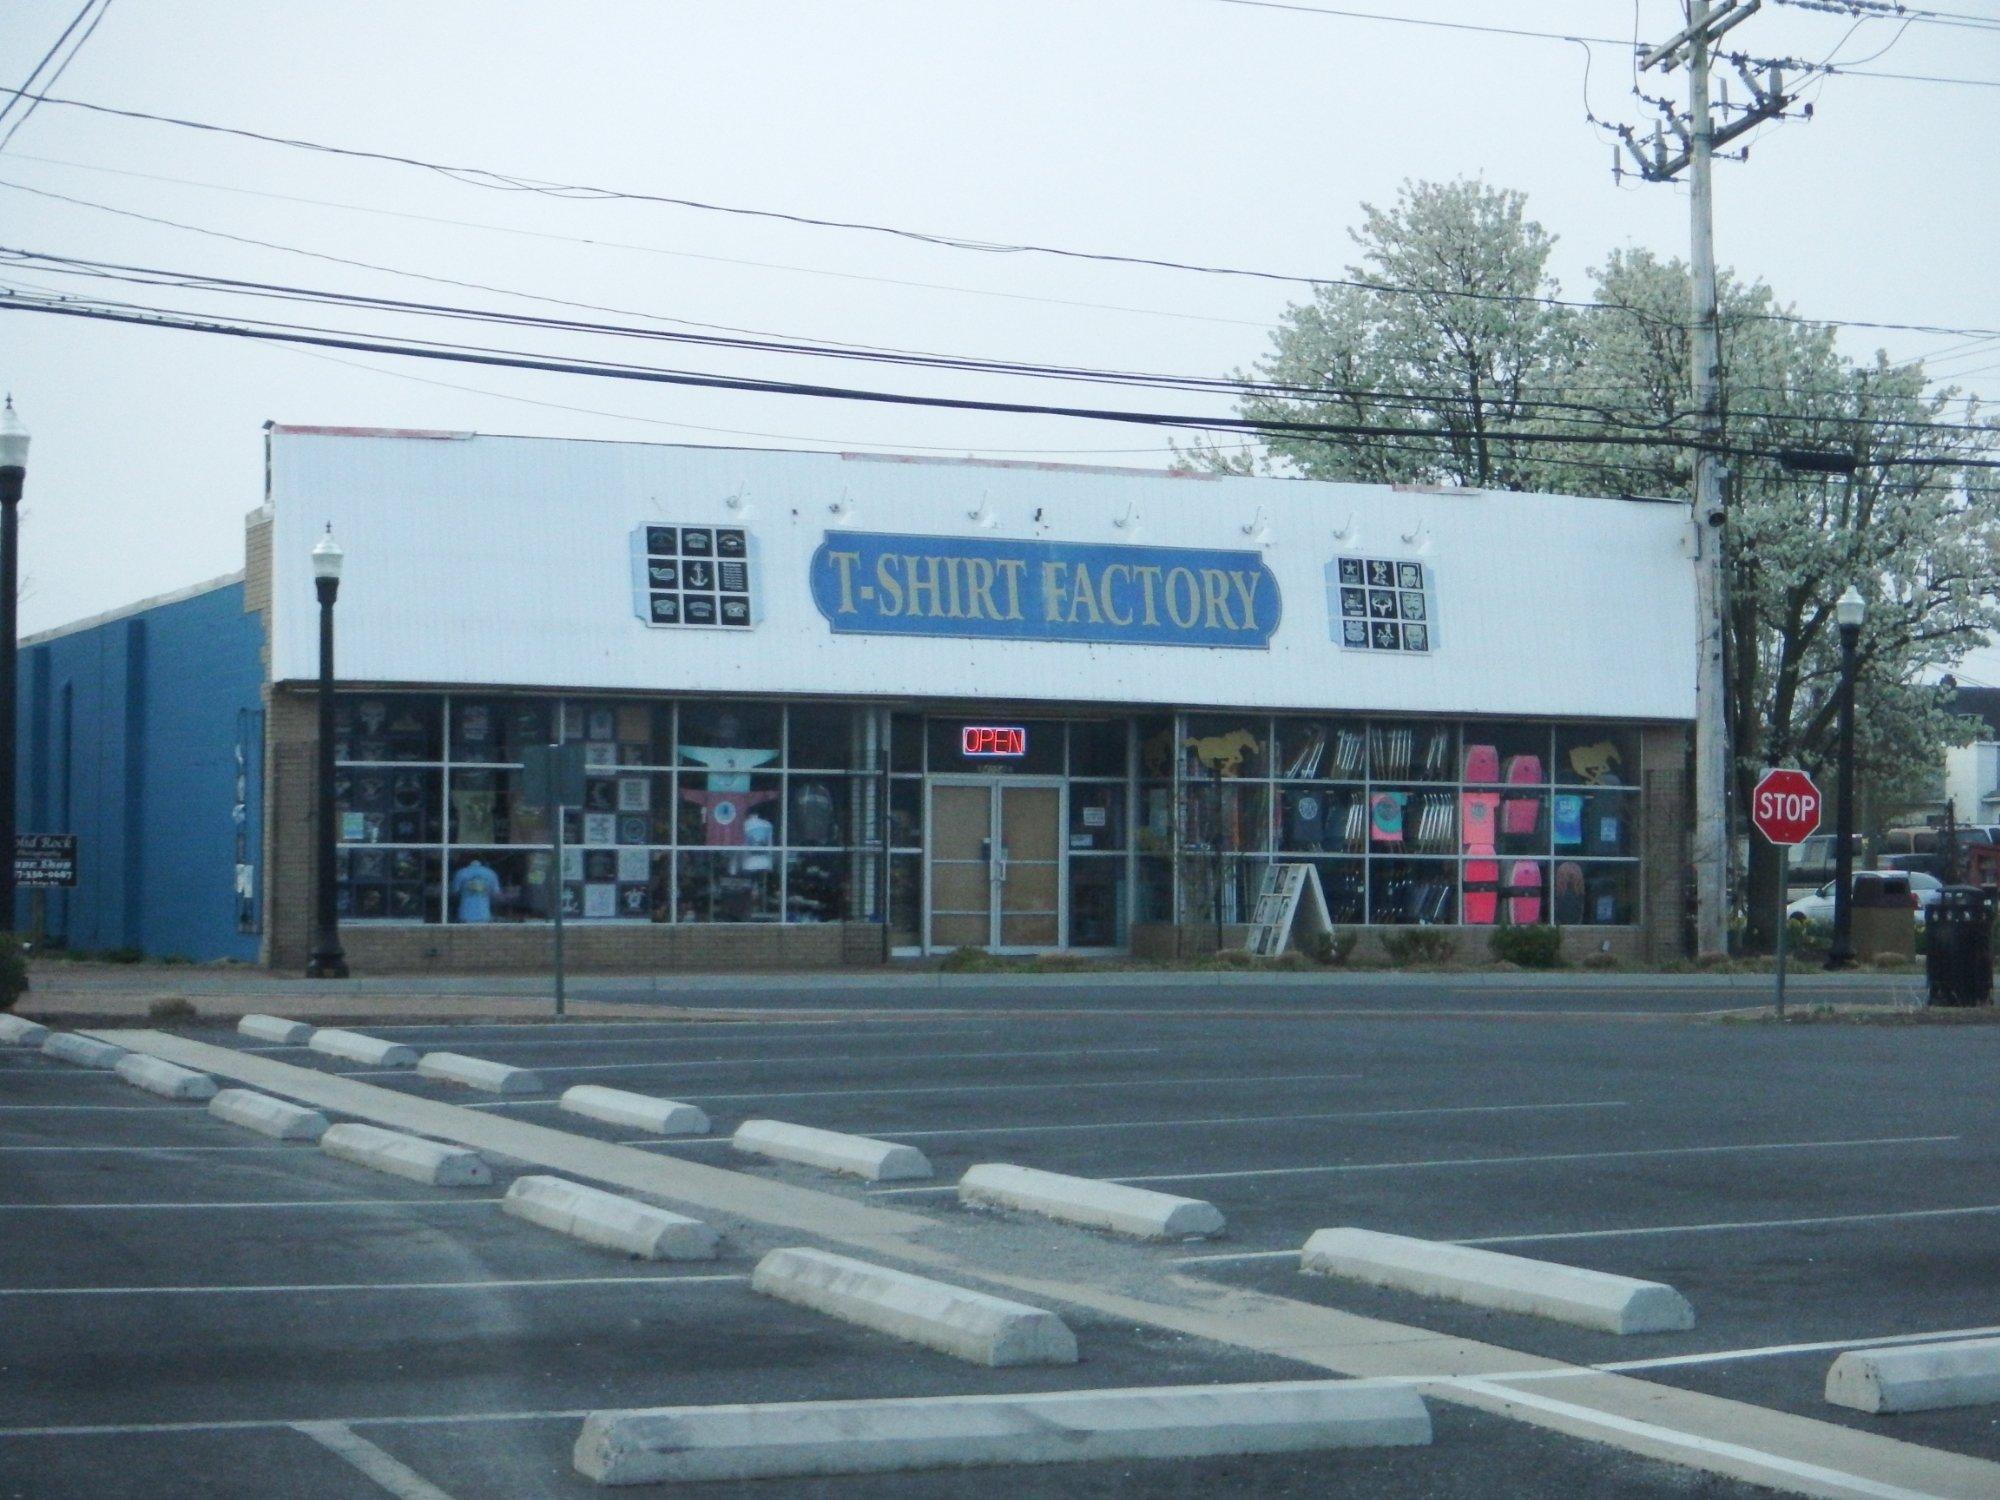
x: 1785, y: 806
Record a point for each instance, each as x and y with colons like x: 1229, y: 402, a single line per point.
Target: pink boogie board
x: 1524, y: 893
x: 1519, y: 815
x: 1482, y: 763
x: 1482, y: 892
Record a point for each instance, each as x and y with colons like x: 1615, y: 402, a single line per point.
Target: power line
x: 261, y: 330
x: 35, y: 72
x: 60, y: 68
x: 489, y: 178
x: 1636, y: 422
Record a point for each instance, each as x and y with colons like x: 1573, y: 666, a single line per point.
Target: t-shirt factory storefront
x: 834, y: 708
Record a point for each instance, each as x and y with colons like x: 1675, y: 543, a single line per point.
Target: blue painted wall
x: 131, y: 733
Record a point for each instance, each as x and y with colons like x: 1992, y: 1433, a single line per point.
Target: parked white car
x: 1818, y: 907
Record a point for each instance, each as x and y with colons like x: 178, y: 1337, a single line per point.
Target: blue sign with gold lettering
x: 882, y: 583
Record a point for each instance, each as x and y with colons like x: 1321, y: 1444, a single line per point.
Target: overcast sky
x: 1193, y: 130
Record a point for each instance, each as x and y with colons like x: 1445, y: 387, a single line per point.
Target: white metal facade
x: 501, y: 560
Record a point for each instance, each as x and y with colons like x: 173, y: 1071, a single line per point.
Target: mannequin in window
x: 474, y: 887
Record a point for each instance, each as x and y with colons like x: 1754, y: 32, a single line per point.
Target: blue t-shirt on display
x: 474, y: 887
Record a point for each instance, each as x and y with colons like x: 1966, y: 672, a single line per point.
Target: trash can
x: 1958, y: 940
x: 1882, y: 915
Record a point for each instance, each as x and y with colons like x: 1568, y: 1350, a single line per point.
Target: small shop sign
x: 45, y: 859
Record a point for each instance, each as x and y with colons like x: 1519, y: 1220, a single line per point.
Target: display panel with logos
x: 698, y: 576
x: 1382, y: 604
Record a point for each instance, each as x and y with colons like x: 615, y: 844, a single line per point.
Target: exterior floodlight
x: 1851, y: 608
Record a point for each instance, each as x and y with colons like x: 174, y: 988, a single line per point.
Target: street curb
x: 286, y: 1033
x: 609, y: 1221
x: 85, y: 1052
x: 1916, y: 1377
x: 879, y: 1437
x: 972, y: 1326
x: 267, y: 1116
x: 831, y: 1151
x: 634, y: 1111
x: 1505, y: 1283
x: 478, y: 1073
x: 1085, y: 1200
x: 406, y: 1156
x: 168, y: 1080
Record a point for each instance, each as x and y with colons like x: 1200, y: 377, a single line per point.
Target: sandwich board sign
x: 1290, y: 893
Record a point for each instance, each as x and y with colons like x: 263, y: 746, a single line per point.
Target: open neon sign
x: 993, y: 741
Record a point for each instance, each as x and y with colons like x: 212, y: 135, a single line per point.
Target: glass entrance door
x: 996, y: 864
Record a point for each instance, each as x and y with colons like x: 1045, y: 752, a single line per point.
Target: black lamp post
x: 13, y: 476
x: 1848, y: 614
x: 327, y: 961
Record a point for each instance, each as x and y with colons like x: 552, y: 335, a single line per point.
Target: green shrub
x: 13, y: 971
x: 122, y: 956
x: 1599, y: 961
x: 1334, y: 947
x: 1417, y: 945
x: 172, y: 1008
x: 1536, y: 947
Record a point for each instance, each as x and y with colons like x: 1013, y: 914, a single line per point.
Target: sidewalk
x: 86, y: 994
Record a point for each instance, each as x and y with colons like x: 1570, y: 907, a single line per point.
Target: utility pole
x: 1699, y: 140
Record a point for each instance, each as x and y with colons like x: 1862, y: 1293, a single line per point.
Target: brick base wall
x: 1162, y: 942
x: 612, y: 949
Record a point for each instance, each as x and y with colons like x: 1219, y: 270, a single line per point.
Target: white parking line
x: 1737, y: 1224
x: 226, y: 1207
x: 1013, y: 1088
x: 1352, y: 1114
x: 93, y: 1108
x: 810, y: 1057
x: 1650, y: 1229
x: 1502, y: 1161
x: 1820, y: 1478
x: 360, y: 1286
x: 621, y: 1041
x: 153, y: 1151
x: 392, y: 1475
x: 1773, y: 1351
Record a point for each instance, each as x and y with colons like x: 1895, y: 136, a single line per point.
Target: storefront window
x: 1411, y: 891
x: 906, y: 900
x: 1231, y: 747
x: 829, y: 737
x: 1098, y: 747
x: 741, y: 886
x: 386, y: 805
x: 619, y: 734
x: 1097, y: 902
x: 496, y: 730
x: 1096, y: 816
x: 731, y: 736
x: 388, y: 885
x: 378, y: 727
x: 1593, y: 755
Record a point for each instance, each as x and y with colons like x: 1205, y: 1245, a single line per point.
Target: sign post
x: 552, y: 777
x: 1785, y: 808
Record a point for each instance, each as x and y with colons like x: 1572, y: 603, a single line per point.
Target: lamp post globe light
x: 1848, y: 614
x: 13, y: 477
x: 327, y: 961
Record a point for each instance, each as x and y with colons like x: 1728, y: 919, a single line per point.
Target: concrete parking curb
x: 478, y: 1073
x: 406, y: 1156
x: 609, y: 1221
x: 169, y: 1080
x: 275, y: 1029
x: 855, y: 1155
x: 967, y: 1325
x: 1505, y: 1283
x: 1085, y: 1200
x: 353, y: 1046
x: 1916, y: 1377
x: 879, y: 1437
x: 85, y: 1052
x: 635, y: 1111
x: 19, y: 1031
x: 267, y: 1116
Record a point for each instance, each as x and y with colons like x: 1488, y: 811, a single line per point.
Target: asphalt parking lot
x: 197, y: 1310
